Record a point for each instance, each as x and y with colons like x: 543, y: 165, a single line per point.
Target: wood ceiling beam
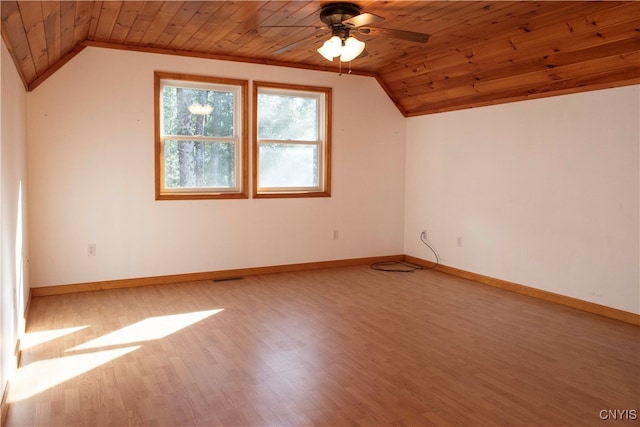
x: 221, y: 57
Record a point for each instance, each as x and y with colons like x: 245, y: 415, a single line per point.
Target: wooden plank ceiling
x: 479, y: 53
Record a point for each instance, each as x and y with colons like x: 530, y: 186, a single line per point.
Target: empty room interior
x: 304, y: 213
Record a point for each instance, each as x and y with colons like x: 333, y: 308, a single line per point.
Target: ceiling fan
x: 343, y: 20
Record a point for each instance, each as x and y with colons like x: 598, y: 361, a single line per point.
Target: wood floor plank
x: 333, y: 347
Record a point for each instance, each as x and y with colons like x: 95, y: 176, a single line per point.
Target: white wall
x: 90, y: 148
x: 543, y: 193
x: 14, y: 283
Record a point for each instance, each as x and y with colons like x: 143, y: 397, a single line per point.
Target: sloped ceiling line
x: 479, y: 53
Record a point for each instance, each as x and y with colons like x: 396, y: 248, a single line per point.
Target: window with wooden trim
x: 201, y: 137
x: 292, y: 140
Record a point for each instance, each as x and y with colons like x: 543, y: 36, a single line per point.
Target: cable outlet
x: 91, y: 249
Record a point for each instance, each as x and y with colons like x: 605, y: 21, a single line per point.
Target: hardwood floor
x: 333, y: 347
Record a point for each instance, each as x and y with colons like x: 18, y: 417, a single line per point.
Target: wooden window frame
x: 242, y: 162
x: 325, y: 170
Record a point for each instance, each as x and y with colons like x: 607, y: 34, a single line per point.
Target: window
x: 292, y: 140
x: 201, y: 133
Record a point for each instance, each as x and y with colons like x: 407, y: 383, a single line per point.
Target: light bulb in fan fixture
x: 351, y: 49
x: 331, y: 48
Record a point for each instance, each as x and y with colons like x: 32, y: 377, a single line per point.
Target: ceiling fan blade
x: 291, y: 26
x: 288, y: 47
x: 269, y: 29
x: 401, y: 34
x: 362, y: 20
x: 293, y: 45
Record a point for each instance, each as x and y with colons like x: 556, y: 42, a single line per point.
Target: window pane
x: 199, y: 164
x: 287, y: 117
x: 197, y: 112
x: 288, y: 165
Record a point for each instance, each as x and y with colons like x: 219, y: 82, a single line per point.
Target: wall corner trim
x: 5, y: 406
x: 590, y: 307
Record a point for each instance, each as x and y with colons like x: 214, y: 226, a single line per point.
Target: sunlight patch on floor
x: 42, y: 375
x: 152, y: 328
x: 32, y: 339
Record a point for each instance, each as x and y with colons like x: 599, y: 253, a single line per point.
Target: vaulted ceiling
x: 479, y: 52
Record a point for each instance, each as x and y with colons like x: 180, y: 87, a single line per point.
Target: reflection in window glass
x: 188, y: 111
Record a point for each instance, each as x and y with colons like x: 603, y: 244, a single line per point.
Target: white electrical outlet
x: 336, y: 234
x: 459, y: 241
x: 424, y: 234
x: 91, y: 249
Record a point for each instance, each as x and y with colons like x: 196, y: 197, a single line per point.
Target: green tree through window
x: 201, y: 140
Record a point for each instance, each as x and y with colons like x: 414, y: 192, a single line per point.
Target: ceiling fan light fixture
x: 347, y: 50
x: 351, y: 49
x: 331, y: 48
